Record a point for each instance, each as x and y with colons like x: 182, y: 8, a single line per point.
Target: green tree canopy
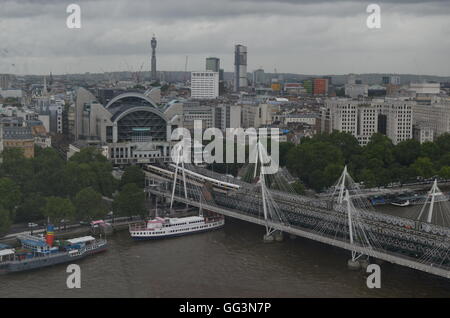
x: 48, y: 172
x: 443, y: 143
x: 406, y: 152
x: 18, y: 168
x: 423, y: 167
x: 430, y: 150
x: 89, y: 204
x: 298, y: 187
x: 133, y: 174
x: 5, y: 221
x: 445, y: 172
x: 381, y: 148
x: 31, y: 208
x: 10, y: 194
x: 345, y: 141
x: 368, y: 177
x: 284, y: 149
x: 88, y: 155
x: 58, y: 209
x: 130, y: 201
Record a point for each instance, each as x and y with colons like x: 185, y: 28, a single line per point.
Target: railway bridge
x: 342, y: 220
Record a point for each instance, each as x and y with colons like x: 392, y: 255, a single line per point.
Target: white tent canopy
x: 6, y: 252
x: 83, y: 239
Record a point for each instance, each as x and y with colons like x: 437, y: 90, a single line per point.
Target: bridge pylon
x: 347, y: 199
x: 179, y: 157
x: 434, y: 193
x: 272, y: 213
x: 358, y: 236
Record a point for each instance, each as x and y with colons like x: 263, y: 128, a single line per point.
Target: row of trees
x: 46, y: 186
x: 319, y: 160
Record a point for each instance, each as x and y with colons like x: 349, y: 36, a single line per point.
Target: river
x: 230, y: 262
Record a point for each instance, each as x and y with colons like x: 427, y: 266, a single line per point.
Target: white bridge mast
x: 179, y: 155
x: 432, y: 197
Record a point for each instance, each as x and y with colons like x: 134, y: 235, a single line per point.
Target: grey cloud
x: 188, y: 9
x: 294, y: 36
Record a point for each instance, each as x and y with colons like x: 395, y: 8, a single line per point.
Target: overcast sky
x: 296, y: 36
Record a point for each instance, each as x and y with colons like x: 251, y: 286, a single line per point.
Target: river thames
x: 230, y: 262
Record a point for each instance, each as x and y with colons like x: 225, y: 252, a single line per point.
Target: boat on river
x: 159, y: 228
x: 401, y: 203
x: 39, y: 251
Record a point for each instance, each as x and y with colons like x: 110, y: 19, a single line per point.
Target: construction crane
x: 137, y: 74
x: 185, y: 68
x: 109, y: 76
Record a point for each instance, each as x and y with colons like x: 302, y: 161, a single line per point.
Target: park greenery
x: 318, y: 161
x: 47, y: 187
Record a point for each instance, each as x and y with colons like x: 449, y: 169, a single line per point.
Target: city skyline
x: 318, y: 37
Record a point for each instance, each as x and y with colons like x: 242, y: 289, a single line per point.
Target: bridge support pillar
x: 269, y: 238
x: 364, y: 263
x: 353, y: 265
x: 278, y: 235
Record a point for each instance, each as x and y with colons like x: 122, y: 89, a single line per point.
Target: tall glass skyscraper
x: 240, y: 67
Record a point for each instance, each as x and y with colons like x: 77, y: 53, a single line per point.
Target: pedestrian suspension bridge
x: 342, y: 219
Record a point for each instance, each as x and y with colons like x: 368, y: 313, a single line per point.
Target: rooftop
x: 17, y: 133
x: 6, y: 252
x: 81, y: 239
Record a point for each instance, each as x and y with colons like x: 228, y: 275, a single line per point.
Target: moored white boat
x: 159, y: 228
x: 401, y: 204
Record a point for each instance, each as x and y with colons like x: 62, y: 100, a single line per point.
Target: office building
x: 351, y: 79
x: 6, y: 81
x: 294, y: 88
x: 18, y: 138
x: 193, y: 110
x: 130, y: 129
x: 433, y: 116
x: 395, y: 80
x: 356, y: 90
x: 240, y: 67
x: 320, y: 86
x: 258, y: 77
x: 425, y: 88
x: 362, y: 119
x: 308, y: 85
x: 204, y: 85
x: 423, y: 133
x: 257, y: 115
x: 213, y: 64
x: 228, y: 116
